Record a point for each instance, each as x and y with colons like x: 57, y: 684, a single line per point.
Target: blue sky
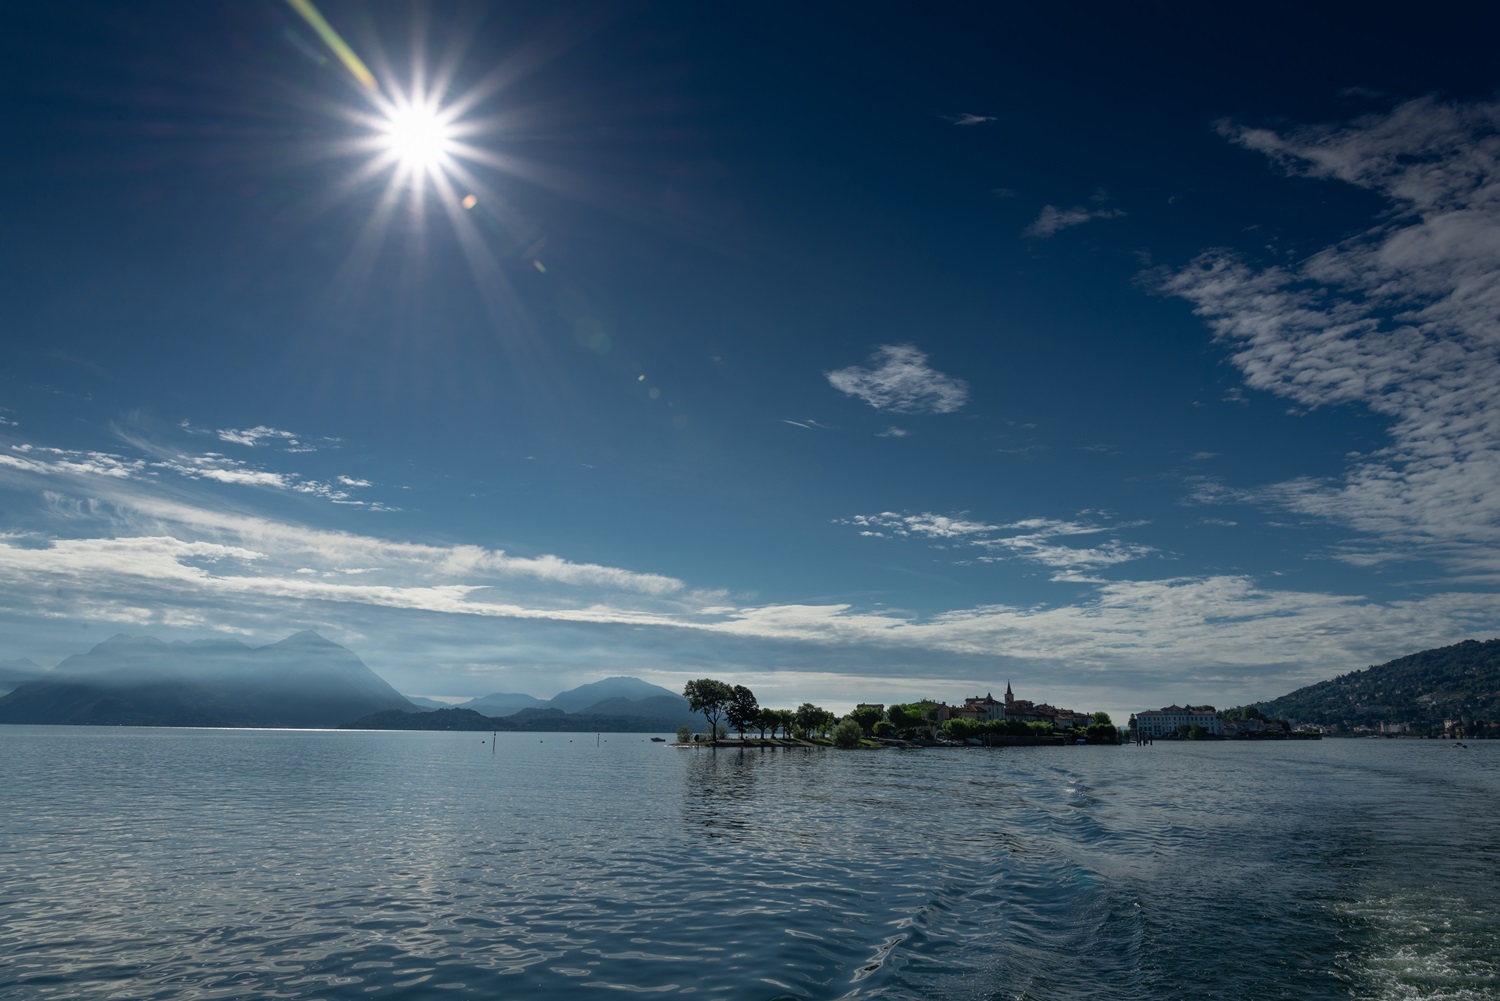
x: 1130, y: 357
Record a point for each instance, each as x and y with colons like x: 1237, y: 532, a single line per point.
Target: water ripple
x: 171, y: 865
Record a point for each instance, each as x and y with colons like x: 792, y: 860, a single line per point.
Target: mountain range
x: 619, y: 696
x: 614, y: 705
x: 302, y: 681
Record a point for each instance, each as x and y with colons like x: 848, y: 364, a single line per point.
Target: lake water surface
x: 195, y: 864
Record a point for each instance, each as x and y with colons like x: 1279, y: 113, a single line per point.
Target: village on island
x: 980, y: 720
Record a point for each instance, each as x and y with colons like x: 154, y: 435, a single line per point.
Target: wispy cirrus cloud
x: 1049, y: 542
x: 1402, y: 319
x: 966, y: 119
x: 898, y: 379
x: 49, y: 461
x: 1053, y: 220
x: 25, y: 457
x: 261, y: 435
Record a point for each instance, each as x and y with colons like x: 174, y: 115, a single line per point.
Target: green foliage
x: 1102, y: 733
x: 867, y: 718
x: 848, y: 734
x: 684, y: 734
x: 813, y: 720
x: 743, y: 711
x: 910, y: 717
x: 884, y: 728
x: 1101, y: 719
x: 709, y: 697
x: 962, y: 729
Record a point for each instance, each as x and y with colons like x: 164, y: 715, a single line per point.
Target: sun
x: 419, y: 137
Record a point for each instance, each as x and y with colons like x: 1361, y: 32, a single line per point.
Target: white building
x: 1160, y: 722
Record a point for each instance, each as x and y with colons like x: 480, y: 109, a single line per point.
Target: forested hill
x: 1462, y: 680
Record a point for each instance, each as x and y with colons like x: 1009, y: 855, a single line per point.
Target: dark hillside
x: 1422, y: 689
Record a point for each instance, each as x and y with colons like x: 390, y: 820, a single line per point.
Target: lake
x: 195, y: 864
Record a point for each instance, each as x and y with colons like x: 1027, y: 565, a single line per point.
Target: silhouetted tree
x: 743, y: 710
x: 767, y: 719
x: 709, y: 697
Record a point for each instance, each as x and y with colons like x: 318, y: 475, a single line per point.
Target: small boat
x: 658, y: 740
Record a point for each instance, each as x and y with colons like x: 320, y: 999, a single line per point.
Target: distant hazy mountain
x: 534, y: 720
x: 303, y: 681
x: 660, y: 705
x: 610, y: 697
x: 502, y: 703
x: 580, y: 698
x: 614, y: 705
x: 1459, y: 681
x: 14, y: 673
x: 421, y: 703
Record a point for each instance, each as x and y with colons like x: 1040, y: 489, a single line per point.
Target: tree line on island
x: 725, y: 707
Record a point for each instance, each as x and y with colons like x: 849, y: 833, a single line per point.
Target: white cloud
x: 261, y: 435
x: 79, y: 464
x: 966, y: 118
x: 899, y: 380
x: 123, y: 552
x: 68, y: 462
x: 1036, y: 540
x: 1402, y: 319
x: 1053, y: 220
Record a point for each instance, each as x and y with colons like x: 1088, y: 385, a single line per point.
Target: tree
x: 826, y: 719
x: 867, y: 718
x: 1101, y: 719
x: 743, y: 710
x: 709, y: 697
x: 684, y: 734
x: 960, y: 728
x: 788, y: 720
x: 884, y: 728
x: 848, y: 733
x: 767, y: 719
x: 1101, y: 733
x: 908, y: 717
x: 811, y: 719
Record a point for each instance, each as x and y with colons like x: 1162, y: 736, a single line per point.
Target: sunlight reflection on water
x: 175, y: 864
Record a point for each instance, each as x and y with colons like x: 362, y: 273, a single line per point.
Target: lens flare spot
x: 470, y: 201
